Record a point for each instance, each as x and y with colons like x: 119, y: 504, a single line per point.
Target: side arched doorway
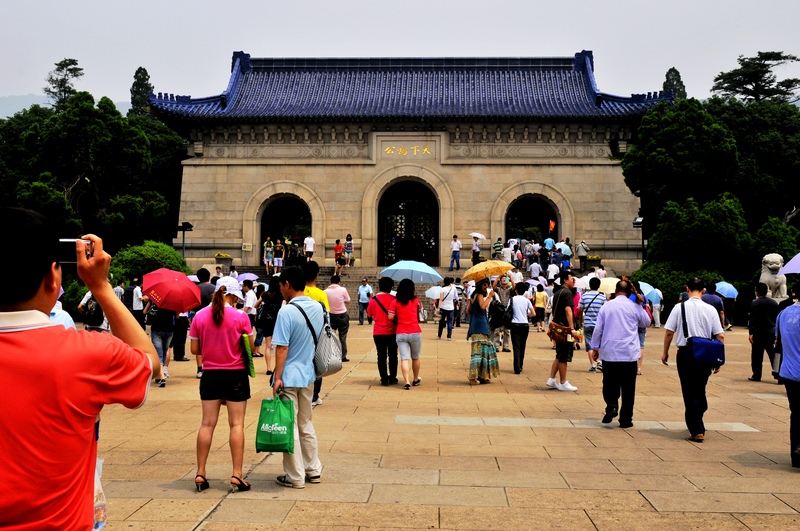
x: 286, y: 216
x: 408, y: 224
x: 529, y: 216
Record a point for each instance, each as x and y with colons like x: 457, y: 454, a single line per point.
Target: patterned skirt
x: 483, y: 362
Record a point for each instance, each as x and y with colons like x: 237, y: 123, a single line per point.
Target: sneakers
x: 162, y: 383
x: 282, y: 480
x: 199, y: 373
x: 316, y: 402
x: 416, y: 382
x: 551, y: 382
x: 313, y: 479
x: 700, y: 437
x: 566, y: 386
x: 593, y: 368
x: 600, y: 365
x: 166, y: 372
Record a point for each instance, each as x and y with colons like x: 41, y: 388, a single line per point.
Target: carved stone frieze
x: 288, y: 151
x: 527, y: 151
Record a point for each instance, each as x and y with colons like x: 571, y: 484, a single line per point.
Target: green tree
x: 140, y: 91
x: 15, y: 158
x: 141, y: 259
x: 674, y: 83
x: 775, y: 236
x: 755, y: 80
x: 43, y: 197
x: 680, y: 152
x: 60, y: 82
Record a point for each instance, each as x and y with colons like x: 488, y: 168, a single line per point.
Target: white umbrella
x: 478, y: 235
x: 433, y: 292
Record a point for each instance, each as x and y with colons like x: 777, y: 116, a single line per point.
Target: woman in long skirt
x: 483, y: 361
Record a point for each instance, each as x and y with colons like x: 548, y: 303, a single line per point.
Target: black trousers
x: 793, y: 394
x: 340, y: 322
x: 519, y: 340
x: 694, y: 378
x: 179, y: 338
x: 387, y: 357
x: 446, y: 320
x: 762, y: 342
x: 619, y: 378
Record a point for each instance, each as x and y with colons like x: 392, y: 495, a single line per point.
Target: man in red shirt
x: 381, y: 309
x: 48, y: 447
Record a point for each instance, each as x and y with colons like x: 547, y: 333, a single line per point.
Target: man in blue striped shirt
x: 588, y: 308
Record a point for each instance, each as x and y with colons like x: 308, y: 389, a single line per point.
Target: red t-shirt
x: 382, y: 326
x: 338, y: 251
x: 407, y: 317
x: 55, y: 382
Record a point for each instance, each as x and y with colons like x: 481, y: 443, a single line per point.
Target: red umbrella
x: 171, y: 290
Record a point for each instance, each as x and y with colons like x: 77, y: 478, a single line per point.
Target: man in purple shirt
x: 616, y: 337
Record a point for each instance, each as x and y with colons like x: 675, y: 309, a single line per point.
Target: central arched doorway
x: 286, y: 216
x: 408, y: 224
x: 529, y: 217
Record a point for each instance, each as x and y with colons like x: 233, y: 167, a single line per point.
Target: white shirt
x: 507, y: 254
x: 455, y: 245
x: 137, y: 299
x: 447, y: 298
x: 516, y: 277
x: 702, y: 320
x: 309, y: 244
x: 552, y: 271
x: 535, y: 270
x: 250, y: 302
x: 522, y: 306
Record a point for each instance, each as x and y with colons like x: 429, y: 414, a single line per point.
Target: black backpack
x: 92, y: 313
x: 127, y: 297
x: 496, y: 313
x: 508, y: 314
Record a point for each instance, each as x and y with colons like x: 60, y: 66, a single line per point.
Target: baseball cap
x: 231, y: 286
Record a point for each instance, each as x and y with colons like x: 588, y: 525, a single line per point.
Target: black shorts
x: 564, y: 351
x: 233, y: 386
x: 309, y: 254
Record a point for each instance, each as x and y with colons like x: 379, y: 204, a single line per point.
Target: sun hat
x: 231, y: 286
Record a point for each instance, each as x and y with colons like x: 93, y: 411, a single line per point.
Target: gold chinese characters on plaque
x: 407, y: 150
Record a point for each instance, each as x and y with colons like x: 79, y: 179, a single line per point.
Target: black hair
x: 564, y: 276
x: 349, y: 237
x: 247, y: 283
x: 335, y: 279
x: 696, y: 284
x: 337, y: 241
x: 539, y: 288
x: 203, y: 275
x: 594, y: 283
x: 711, y: 287
x: 761, y: 289
x: 385, y: 284
x: 311, y: 271
x: 405, y: 291
x: 521, y: 288
x: 295, y: 277
x: 233, y: 267
x: 448, y: 281
x: 39, y: 257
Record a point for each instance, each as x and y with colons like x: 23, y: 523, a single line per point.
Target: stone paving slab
x: 634, y: 521
x: 717, y: 502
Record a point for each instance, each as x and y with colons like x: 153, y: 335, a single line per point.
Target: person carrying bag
x: 275, y: 428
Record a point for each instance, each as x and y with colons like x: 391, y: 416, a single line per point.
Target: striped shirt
x: 591, y: 302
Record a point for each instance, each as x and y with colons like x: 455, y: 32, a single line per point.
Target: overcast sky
x: 186, y: 46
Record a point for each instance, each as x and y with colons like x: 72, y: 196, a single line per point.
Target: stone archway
x: 259, y: 201
x: 378, y: 186
x: 564, y: 212
x: 528, y: 217
x: 408, y: 224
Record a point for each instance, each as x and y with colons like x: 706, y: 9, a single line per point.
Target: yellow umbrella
x: 487, y: 269
x: 608, y: 285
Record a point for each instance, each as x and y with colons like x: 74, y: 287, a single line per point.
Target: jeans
x: 762, y: 342
x: 386, y: 347
x: 694, y: 378
x: 362, y: 309
x: 619, y: 377
x: 588, y: 332
x: 519, y: 340
x: 455, y: 257
x: 447, y: 318
x: 341, y: 323
x: 161, y: 342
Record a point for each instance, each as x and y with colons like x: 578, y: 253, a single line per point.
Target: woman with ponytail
x: 216, y: 334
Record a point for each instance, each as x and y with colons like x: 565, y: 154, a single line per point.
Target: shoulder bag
x: 328, y: 348
x: 702, y: 349
x: 556, y: 332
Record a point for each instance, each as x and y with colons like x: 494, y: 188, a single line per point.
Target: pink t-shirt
x: 221, y: 346
x: 337, y: 297
x: 407, y: 317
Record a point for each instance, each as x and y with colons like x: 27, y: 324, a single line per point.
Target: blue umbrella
x: 411, y: 269
x: 646, y: 288
x: 726, y: 290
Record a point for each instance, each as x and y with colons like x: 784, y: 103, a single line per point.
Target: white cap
x: 231, y: 286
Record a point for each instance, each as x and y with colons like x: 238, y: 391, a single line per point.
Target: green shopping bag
x: 247, y: 356
x: 275, y: 429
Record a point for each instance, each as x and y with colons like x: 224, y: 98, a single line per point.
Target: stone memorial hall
x: 403, y: 153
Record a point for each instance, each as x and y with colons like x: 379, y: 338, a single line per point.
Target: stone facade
x: 341, y: 172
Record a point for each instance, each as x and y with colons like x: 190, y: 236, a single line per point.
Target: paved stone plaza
x: 510, y: 455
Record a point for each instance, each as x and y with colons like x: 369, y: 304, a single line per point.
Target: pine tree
x: 140, y: 91
x: 60, y: 82
x: 674, y: 83
x: 755, y: 80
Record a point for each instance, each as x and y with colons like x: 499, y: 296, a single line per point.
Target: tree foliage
x: 681, y: 151
x: 674, y: 83
x: 61, y: 82
x: 775, y: 236
x: 15, y: 159
x: 755, y: 79
x: 140, y: 91
x: 136, y: 261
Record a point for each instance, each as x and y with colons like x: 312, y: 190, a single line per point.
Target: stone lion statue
x: 770, y: 265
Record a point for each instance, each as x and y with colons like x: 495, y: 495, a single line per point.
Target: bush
x: 141, y: 259
x: 74, y: 290
x: 670, y: 278
x: 775, y: 236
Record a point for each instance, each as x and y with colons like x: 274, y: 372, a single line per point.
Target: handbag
x: 328, y: 348
x: 422, y: 315
x: 275, y: 428
x: 556, y: 332
x: 702, y: 349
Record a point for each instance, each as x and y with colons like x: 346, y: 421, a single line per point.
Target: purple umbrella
x: 247, y: 276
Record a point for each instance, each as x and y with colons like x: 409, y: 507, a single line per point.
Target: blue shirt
x: 364, y: 290
x: 591, y: 302
x: 292, y: 331
x: 616, y: 334
x: 788, y: 328
x: 549, y: 243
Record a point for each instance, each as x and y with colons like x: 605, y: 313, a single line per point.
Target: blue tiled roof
x: 408, y: 89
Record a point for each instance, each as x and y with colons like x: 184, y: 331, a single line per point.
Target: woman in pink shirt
x: 216, y: 335
x: 409, y: 334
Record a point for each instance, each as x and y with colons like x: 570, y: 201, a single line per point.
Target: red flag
x: 552, y: 225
